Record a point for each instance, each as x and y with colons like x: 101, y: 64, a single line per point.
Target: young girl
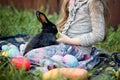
x: 82, y: 25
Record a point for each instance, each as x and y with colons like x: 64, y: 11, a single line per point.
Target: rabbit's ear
x: 41, y: 17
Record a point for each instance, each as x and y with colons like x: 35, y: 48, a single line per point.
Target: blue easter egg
x: 5, y: 47
x: 70, y: 60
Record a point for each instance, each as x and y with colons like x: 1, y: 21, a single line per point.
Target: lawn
x: 13, y: 21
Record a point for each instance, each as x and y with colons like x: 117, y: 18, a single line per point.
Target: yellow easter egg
x: 5, y: 53
x: 70, y: 73
x: 51, y: 75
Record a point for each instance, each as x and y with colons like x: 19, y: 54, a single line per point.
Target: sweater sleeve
x: 98, y: 26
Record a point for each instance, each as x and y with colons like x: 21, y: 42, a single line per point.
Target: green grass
x: 13, y: 21
x: 9, y: 72
x: 112, y: 43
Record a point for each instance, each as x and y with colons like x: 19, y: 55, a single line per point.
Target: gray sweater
x: 84, y: 23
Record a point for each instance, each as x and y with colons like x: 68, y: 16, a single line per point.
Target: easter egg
x: 5, y: 47
x: 13, y: 52
x: 5, y: 53
x: 21, y: 63
x: 51, y: 75
x: 57, y: 58
x: 70, y: 73
x: 22, y: 48
x: 70, y: 60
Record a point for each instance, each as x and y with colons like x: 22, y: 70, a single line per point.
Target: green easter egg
x: 12, y: 52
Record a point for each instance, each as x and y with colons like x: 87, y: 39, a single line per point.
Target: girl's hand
x: 67, y: 40
x: 63, y: 38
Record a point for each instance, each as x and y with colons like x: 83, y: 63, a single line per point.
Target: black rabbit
x: 46, y: 37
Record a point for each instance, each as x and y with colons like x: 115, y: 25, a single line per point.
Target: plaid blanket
x: 16, y: 40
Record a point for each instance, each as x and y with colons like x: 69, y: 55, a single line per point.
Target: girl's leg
x: 43, y: 56
x: 40, y: 54
x: 49, y: 51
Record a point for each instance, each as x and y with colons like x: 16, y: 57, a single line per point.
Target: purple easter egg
x: 57, y: 58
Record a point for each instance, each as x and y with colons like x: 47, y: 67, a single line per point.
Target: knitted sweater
x: 85, y: 24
